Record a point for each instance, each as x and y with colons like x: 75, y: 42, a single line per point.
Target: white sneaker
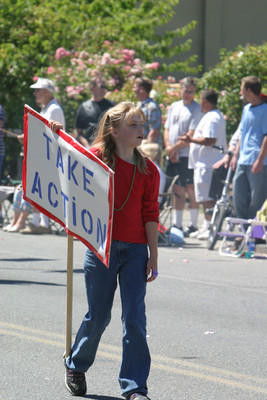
x: 7, y: 227
x: 194, y: 234
x: 204, y: 235
x: 198, y: 232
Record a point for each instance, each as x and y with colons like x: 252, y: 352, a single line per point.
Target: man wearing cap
x: 44, y: 90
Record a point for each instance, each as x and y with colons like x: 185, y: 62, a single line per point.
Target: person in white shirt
x: 50, y: 109
x: 210, y: 131
x: 183, y: 118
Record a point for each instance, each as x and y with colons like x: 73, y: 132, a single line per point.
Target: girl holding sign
x: 135, y: 230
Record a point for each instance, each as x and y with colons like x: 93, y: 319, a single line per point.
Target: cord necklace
x: 119, y: 209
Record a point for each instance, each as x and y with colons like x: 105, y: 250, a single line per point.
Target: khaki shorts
x: 202, y: 181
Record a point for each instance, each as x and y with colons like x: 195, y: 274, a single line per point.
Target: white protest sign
x: 68, y: 183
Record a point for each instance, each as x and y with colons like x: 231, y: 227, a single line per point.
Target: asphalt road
x: 207, y: 324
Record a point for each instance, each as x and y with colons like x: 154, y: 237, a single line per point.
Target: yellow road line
x: 194, y: 374
x: 32, y: 330
x: 32, y: 338
x: 159, y: 362
x: 208, y: 368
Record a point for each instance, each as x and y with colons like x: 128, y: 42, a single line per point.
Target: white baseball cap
x: 43, y: 83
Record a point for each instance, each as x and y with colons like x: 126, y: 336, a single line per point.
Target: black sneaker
x: 178, y: 227
x: 75, y: 381
x: 137, y: 396
x: 189, y: 229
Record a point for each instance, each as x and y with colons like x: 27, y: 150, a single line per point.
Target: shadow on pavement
x: 14, y: 282
x: 64, y: 271
x: 26, y: 259
x: 184, y: 246
x: 96, y: 397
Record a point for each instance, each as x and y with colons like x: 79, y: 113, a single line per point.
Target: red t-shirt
x: 142, y: 205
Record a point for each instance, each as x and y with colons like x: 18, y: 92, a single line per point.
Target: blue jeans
x: 128, y: 266
x: 249, y: 191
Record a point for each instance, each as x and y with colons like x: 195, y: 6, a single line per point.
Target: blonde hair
x: 152, y: 151
x: 113, y: 118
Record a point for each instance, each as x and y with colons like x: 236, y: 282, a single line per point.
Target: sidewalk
x: 261, y: 249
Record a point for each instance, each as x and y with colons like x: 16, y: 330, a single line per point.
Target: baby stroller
x: 224, y: 206
x: 167, y: 234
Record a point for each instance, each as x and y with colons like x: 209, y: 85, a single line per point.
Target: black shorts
x: 186, y: 175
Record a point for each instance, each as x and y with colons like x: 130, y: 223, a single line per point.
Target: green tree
x: 226, y: 77
x: 32, y: 30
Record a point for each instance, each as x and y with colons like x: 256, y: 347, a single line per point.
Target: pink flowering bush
x: 72, y: 71
x: 61, y: 52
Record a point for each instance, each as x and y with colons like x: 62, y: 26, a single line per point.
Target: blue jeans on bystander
x: 249, y: 191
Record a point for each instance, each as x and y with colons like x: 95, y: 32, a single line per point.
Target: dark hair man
x: 90, y: 111
x: 250, y: 157
x: 142, y: 88
x: 210, y: 131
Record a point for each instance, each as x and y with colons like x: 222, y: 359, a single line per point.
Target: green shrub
x: 226, y: 77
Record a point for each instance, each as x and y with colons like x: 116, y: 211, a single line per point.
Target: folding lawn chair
x: 241, y: 232
x: 6, y: 200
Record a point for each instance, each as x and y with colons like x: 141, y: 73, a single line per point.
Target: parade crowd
x: 190, y: 139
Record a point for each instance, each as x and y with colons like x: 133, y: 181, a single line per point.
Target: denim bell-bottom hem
x: 128, y: 267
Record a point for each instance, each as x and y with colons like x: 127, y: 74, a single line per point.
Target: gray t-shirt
x: 182, y: 118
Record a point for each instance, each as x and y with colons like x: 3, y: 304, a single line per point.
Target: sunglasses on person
x: 189, y: 91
